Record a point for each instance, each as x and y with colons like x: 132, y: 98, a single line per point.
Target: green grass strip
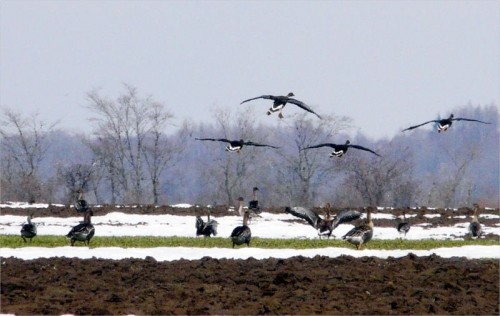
x: 13, y: 241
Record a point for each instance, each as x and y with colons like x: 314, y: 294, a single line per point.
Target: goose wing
x: 302, y: 105
x: 212, y: 225
x: 403, y: 227
x: 257, y: 144
x: 469, y: 120
x: 359, y: 232
x: 269, y: 97
x: 199, y: 224
x: 412, y: 127
x: 215, y: 139
x: 322, y: 145
x: 310, y: 216
x: 364, y: 148
x: 346, y: 216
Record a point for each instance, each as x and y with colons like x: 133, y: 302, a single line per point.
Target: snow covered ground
x: 267, y: 226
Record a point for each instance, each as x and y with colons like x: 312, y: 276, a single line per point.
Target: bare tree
x: 24, y: 146
x: 453, y: 178
x: 160, y: 152
x: 229, y: 175
x: 303, y: 172
x: 376, y: 180
x: 74, y: 177
x: 123, y: 127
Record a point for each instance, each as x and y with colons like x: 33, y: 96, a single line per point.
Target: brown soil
x: 320, y: 285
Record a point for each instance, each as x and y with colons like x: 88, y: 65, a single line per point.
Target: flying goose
x: 242, y: 234
x: 206, y: 228
x: 28, y: 230
x: 444, y: 124
x: 361, y: 234
x: 324, y: 226
x: 475, y: 227
x: 83, y: 231
x: 340, y: 149
x: 280, y: 101
x: 236, y: 145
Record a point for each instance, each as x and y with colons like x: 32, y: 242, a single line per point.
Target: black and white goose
x: 206, y: 228
x: 444, y: 124
x: 324, y: 226
x: 403, y: 226
x: 340, y: 149
x: 242, y: 234
x: 81, y: 205
x: 236, y: 145
x: 280, y: 101
x: 361, y: 234
x: 28, y: 230
x: 83, y: 231
x: 475, y: 227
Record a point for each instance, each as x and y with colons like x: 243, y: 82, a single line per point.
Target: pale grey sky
x: 385, y: 64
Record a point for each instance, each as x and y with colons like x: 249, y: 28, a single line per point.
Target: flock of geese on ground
x: 339, y: 150
x: 358, y: 236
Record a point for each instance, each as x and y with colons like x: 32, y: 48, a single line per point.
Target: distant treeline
x: 128, y: 158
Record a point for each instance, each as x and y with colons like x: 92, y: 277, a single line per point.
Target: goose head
x: 290, y: 94
x: 347, y: 142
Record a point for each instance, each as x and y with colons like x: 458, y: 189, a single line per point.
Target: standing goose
x: 242, y: 234
x: 236, y: 145
x: 206, y: 229
x: 81, y: 205
x: 403, y: 226
x: 444, y: 124
x: 475, y: 226
x: 340, y: 149
x: 361, y: 234
x: 324, y: 226
x: 280, y: 101
x: 83, y: 231
x: 253, y: 206
x: 28, y: 230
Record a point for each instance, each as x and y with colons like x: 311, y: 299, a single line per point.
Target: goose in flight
x: 280, y: 101
x: 340, y: 149
x: 236, y: 145
x: 444, y: 124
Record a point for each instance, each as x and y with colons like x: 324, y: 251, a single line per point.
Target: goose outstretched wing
x: 322, y: 145
x: 310, y: 216
x: 346, y: 216
x: 303, y: 106
x: 415, y: 126
x: 269, y: 97
x: 215, y: 139
x: 257, y: 144
x: 364, y: 148
x: 469, y: 120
